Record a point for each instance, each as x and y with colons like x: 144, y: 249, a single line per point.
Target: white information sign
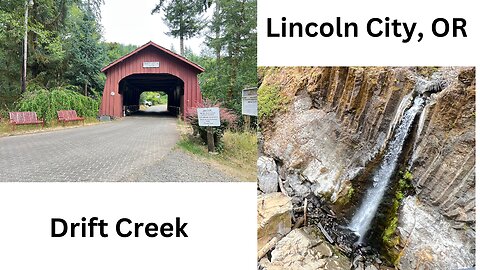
x: 151, y: 64
x: 208, y: 117
x: 249, y: 102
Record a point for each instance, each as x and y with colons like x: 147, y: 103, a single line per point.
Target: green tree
x: 183, y: 18
x: 84, y: 52
x: 64, y: 45
x: 116, y: 50
x: 232, y: 39
x: 11, y: 37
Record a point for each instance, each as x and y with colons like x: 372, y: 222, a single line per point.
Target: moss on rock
x: 270, y: 101
x: 390, y: 238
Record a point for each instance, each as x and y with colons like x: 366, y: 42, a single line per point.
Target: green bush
x: 157, y: 98
x: 270, y: 101
x: 228, y: 120
x: 46, y: 103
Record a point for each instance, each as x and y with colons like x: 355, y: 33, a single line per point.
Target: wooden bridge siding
x: 112, y: 105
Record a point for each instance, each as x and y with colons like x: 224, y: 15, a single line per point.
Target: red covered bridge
x: 150, y: 68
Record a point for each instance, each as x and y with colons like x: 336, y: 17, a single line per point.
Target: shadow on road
x: 154, y: 111
x: 163, y: 114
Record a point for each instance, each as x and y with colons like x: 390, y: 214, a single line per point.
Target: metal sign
x: 208, y: 117
x: 151, y: 64
x: 249, y: 102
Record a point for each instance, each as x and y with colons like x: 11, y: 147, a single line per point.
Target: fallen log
x: 265, y: 249
x: 282, y: 188
x: 325, y: 233
x: 305, y: 212
x: 299, y: 222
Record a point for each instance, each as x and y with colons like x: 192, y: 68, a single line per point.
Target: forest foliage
x: 46, y: 103
x: 230, y: 54
x: 66, y: 49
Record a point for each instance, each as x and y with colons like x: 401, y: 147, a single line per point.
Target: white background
x: 366, y: 50
x: 221, y: 225
x: 221, y: 216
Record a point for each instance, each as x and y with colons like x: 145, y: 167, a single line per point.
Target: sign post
x: 210, y: 140
x: 209, y: 117
x: 249, y: 105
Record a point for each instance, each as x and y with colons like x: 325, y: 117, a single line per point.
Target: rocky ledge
x: 331, y: 124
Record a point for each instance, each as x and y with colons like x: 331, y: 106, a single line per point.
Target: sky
x: 130, y: 22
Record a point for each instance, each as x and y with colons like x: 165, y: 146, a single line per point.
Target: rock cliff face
x: 332, y: 122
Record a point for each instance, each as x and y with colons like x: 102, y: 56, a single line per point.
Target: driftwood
x: 282, y: 188
x: 305, y: 212
x: 298, y: 209
x: 265, y: 249
x: 299, y: 222
x: 303, y: 219
x: 325, y: 233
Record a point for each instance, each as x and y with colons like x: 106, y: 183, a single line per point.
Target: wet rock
x: 267, y: 174
x: 371, y: 267
x: 348, y: 122
x: 302, y: 102
x: 300, y: 189
x: 443, y: 166
x: 432, y: 242
x: 432, y: 87
x: 263, y: 263
x: 322, y: 176
x: 338, y: 263
x: 340, y: 118
x: 325, y: 249
x: 358, y: 265
x: 274, y: 217
x: 305, y: 249
x: 467, y: 76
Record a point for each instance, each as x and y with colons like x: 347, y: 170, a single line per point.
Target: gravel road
x: 136, y: 148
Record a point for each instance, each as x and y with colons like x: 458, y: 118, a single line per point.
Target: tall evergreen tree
x: 11, y: 33
x: 232, y: 37
x: 84, y: 51
x: 183, y: 18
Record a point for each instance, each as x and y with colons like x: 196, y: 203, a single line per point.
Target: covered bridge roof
x: 152, y: 44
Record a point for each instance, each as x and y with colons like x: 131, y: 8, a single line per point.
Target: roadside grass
x: 6, y: 128
x: 195, y: 148
x: 238, y: 158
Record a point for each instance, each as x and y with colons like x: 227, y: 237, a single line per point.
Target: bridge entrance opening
x: 164, y: 91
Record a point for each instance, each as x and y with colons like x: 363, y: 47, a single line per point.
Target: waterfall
x: 365, y: 214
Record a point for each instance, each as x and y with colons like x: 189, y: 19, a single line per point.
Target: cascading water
x: 365, y: 214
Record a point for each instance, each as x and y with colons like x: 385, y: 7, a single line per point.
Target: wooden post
x: 210, y: 140
x: 246, y: 122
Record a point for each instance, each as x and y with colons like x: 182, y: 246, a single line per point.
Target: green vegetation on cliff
x: 389, y: 236
x: 270, y: 101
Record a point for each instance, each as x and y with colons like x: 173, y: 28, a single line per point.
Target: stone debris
x: 305, y: 249
x: 428, y: 235
x: 267, y: 174
x: 322, y: 176
x: 339, y: 119
x: 274, y: 217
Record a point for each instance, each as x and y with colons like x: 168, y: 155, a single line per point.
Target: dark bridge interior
x: 133, y: 86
